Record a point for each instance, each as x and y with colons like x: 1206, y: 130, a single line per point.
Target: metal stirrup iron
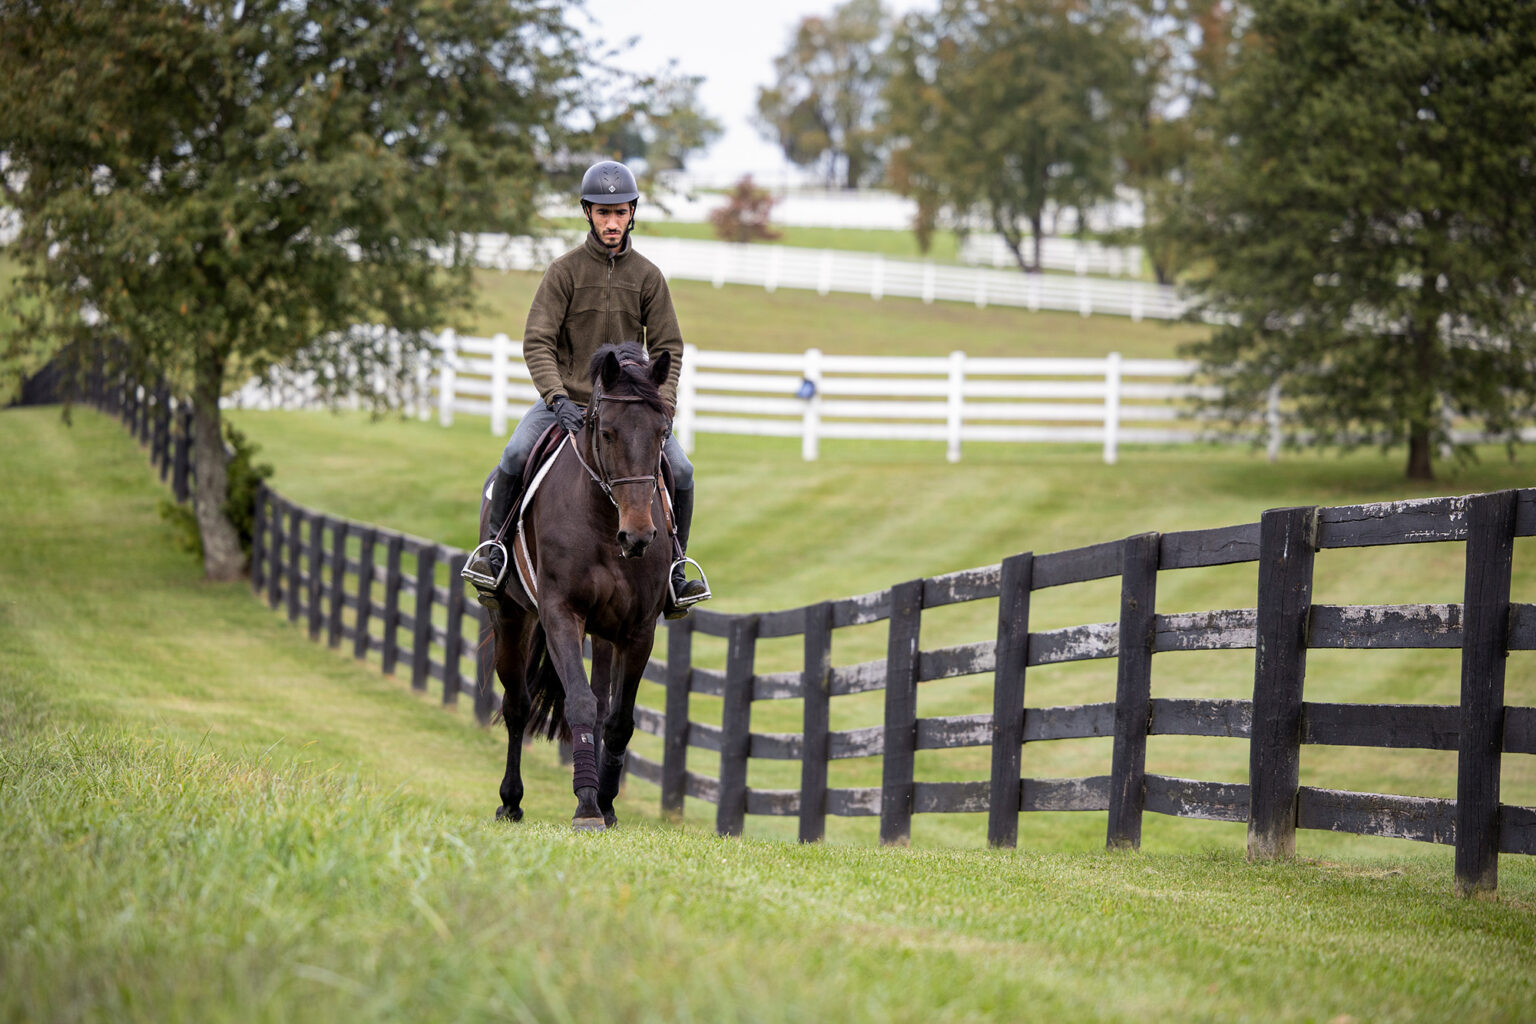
x: 479, y: 579
x: 686, y: 602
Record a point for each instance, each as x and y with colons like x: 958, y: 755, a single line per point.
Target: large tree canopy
x: 1002, y: 107
x: 1368, y: 227
x: 222, y: 182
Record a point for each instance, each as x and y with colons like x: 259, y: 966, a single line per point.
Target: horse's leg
x: 605, y: 680
x: 514, y: 634
x: 628, y: 668
x: 563, y: 630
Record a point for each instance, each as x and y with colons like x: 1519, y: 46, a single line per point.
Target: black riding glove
x: 568, y: 413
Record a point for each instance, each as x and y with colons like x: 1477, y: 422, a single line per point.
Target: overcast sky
x: 732, y: 47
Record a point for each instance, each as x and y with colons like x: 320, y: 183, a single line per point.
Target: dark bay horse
x: 596, y: 537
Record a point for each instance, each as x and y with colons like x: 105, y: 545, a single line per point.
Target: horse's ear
x: 610, y: 371
x: 660, y: 368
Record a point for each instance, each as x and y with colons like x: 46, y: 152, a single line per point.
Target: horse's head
x: 627, y: 422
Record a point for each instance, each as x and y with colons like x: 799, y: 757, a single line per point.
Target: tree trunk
x: 223, y: 559
x: 1420, y: 454
x: 1037, y: 225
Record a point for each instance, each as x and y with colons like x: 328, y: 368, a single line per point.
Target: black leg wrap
x: 610, y: 773
x: 583, y: 760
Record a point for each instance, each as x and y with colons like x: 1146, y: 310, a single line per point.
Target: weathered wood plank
x: 1075, y: 643
x: 1525, y: 512
x: 1077, y: 565
x: 1225, y: 545
x: 965, y: 585
x: 816, y: 719
x: 1517, y: 829
x: 783, y: 803
x: 1490, y: 522
x: 338, y: 588
x: 861, y: 610
x: 1192, y: 798
x: 643, y: 767
x: 1286, y: 557
x: 736, y: 726
x: 650, y: 721
x: 1006, y: 723
x: 1519, y: 730
x: 952, y: 662
x: 674, y: 755
x: 1230, y: 629
x: 421, y: 642
x: 864, y: 677
x: 1179, y: 716
x: 866, y: 742
x: 863, y: 802
x: 1413, y: 726
x: 776, y: 746
x: 955, y: 731
x: 1417, y: 521
x: 787, y: 622
x: 1085, y: 794
x: 777, y: 686
x: 1133, y: 690
x: 705, y: 736
x: 702, y: 787
x: 1383, y: 627
x: 365, y: 570
x: 901, y: 662
x: 295, y: 553
x: 712, y: 623
x: 1522, y: 627
x: 1377, y: 814
x: 393, y: 550
x: 708, y: 681
x: 1073, y: 722
x: 952, y: 797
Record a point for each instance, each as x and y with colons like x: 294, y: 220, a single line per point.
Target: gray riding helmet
x: 609, y: 182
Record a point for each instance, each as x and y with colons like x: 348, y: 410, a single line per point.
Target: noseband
x: 600, y: 475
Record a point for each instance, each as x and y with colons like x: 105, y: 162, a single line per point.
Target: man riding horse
x: 600, y: 292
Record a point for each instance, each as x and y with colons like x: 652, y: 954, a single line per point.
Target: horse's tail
x: 546, y: 694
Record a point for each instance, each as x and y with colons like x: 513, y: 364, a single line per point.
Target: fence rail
x: 398, y: 597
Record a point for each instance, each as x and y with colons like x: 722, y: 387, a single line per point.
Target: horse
x: 600, y: 567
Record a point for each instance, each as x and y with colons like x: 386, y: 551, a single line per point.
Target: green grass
x: 205, y: 817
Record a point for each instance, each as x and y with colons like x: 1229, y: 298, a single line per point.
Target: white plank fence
x: 834, y: 270
x: 811, y: 395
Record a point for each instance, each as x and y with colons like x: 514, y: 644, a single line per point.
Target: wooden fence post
x: 1287, y: 549
x: 1484, y: 650
x: 182, y: 469
x: 674, y: 755
x: 391, y: 652
x: 275, y: 552
x: 901, y: 663
x: 1133, y: 689
x: 1008, y: 698
x: 364, y: 592
x: 736, y: 726
x: 338, y: 588
x: 421, y: 641
x: 314, y: 589
x: 259, y: 540
x: 295, y: 549
x: 453, y: 639
x: 816, y: 719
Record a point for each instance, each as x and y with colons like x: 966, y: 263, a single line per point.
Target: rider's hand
x: 568, y: 413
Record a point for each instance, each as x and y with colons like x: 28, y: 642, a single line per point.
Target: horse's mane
x: 634, y: 377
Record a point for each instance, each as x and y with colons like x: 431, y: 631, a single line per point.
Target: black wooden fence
x: 399, y: 597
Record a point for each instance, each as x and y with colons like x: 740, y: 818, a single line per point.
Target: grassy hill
x: 205, y: 817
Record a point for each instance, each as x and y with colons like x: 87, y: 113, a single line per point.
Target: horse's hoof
x: 505, y: 813
x: 588, y: 824
x: 610, y: 820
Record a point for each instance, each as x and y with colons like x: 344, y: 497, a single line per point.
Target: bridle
x: 594, y: 423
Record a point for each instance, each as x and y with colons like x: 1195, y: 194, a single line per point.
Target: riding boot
x: 489, y: 560
x: 683, y: 592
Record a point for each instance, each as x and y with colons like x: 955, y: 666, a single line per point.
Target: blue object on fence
x: 807, y: 389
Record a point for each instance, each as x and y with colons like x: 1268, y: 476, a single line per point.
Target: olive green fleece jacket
x: 587, y: 299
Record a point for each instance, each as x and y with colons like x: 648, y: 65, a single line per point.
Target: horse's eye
x: 608, y: 435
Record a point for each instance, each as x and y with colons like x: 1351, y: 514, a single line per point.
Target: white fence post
x: 687, y: 395
x: 446, y: 379
x: 1272, y: 422
x: 810, y: 421
x: 955, y: 405
x: 424, y: 381
x: 824, y: 273
x: 877, y: 279
x: 1112, y: 408
x: 501, y: 352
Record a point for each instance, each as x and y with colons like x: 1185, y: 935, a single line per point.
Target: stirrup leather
x: 686, y: 602
x: 479, y: 579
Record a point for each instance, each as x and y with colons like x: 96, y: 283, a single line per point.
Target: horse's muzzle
x: 632, y: 543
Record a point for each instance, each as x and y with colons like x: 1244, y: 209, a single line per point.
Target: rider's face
x: 610, y: 223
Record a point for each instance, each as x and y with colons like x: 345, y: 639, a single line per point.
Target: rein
x: 600, y: 475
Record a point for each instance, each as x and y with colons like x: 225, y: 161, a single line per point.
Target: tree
x: 1003, y: 107
x: 659, y: 120
x: 223, y: 182
x: 824, y: 104
x: 1368, y: 229
x: 744, y: 217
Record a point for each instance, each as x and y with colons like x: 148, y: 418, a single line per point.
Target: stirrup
x: 480, y: 580
x: 687, y: 602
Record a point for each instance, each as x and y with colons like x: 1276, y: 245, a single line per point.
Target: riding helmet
x: 609, y: 181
